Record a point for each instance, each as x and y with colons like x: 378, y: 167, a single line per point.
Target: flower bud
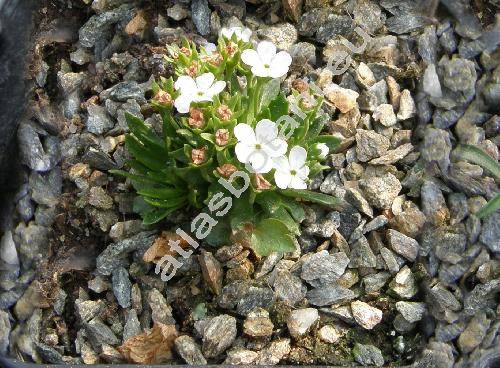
x: 300, y: 85
x: 196, y: 119
x: 163, y: 98
x: 224, y: 113
x: 226, y: 170
x: 215, y: 58
x: 221, y: 137
x: 231, y: 48
x: 261, y: 183
x: 198, y: 155
x: 192, y: 70
x: 185, y: 51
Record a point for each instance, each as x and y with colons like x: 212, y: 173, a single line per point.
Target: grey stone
x: 481, y: 297
x: 444, y: 119
x: 411, y: 311
x: 88, y: 309
x: 303, y: 52
x: 320, y: 269
x: 253, y: 298
x: 490, y: 232
x: 380, y: 191
x: 124, y: 91
x: 441, y: 300
x: 189, y: 350
x: 283, y: 35
x: 374, y: 96
x: 98, y: 25
x: 121, y: 286
x: 39, y: 154
x: 427, y: 45
x: 301, y: 320
x: 368, y: 14
x: 218, y: 335
x: 368, y: 355
x: 46, y: 188
x: 98, y: 120
x: 446, y: 333
x: 240, y: 356
x: 325, y: 227
x: 449, y: 246
x: 370, y: 145
x: 258, y: 323
x: 355, y: 197
x: 98, y: 159
x: 374, y: 282
x: 48, y: 353
x: 433, y: 203
x: 274, y: 353
x: 403, y: 244
x: 200, y: 14
x: 459, y: 75
x: 100, y: 199
x: 110, y: 257
x: 312, y: 20
x: 406, y: 23
x: 329, y: 295
x: 132, y: 325
x: 161, y: 312
x: 5, y: 328
x: 100, y: 334
x: 289, y: 288
x: 177, y: 12
x: 361, y: 254
x: 392, y: 156
x: 474, y: 333
x: 389, y: 259
x: 335, y: 25
x: 375, y: 224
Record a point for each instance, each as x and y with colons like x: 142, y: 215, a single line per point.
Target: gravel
x: 218, y: 335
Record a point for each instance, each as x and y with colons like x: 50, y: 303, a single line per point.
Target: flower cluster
x: 223, y: 114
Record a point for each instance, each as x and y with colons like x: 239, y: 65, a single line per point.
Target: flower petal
x: 246, y: 34
x: 250, y: 57
x: 280, y: 64
x: 282, y: 179
x: 210, y: 48
x: 266, y: 131
x: 243, y: 151
x: 297, y: 183
x: 186, y: 84
x: 303, y: 172
x: 261, y: 162
x: 216, y: 88
x: 297, y: 157
x: 244, y: 133
x: 266, y: 51
x: 281, y: 164
x: 183, y: 102
x: 277, y: 147
x: 260, y: 71
x: 204, y: 81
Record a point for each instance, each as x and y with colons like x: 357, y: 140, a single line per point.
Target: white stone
x: 301, y: 320
x: 366, y: 315
x: 431, y: 83
x: 8, y: 252
x: 384, y: 114
x: 329, y: 334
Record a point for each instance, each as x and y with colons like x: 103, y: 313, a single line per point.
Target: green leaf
x: 220, y: 234
x: 278, y: 107
x: 161, y: 193
x: 162, y: 203
x: 479, y: 157
x: 314, y: 197
x: 143, y: 155
x: 271, y: 202
x: 134, y: 177
x: 490, y: 207
x: 156, y: 215
x: 241, y: 212
x: 269, y: 93
x: 271, y: 235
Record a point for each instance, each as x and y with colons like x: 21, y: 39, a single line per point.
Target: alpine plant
x: 225, y: 118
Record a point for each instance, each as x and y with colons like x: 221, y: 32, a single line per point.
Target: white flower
x: 209, y: 47
x: 200, y: 89
x: 292, y: 172
x: 265, y: 62
x: 323, y: 149
x: 242, y: 33
x: 259, y: 147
